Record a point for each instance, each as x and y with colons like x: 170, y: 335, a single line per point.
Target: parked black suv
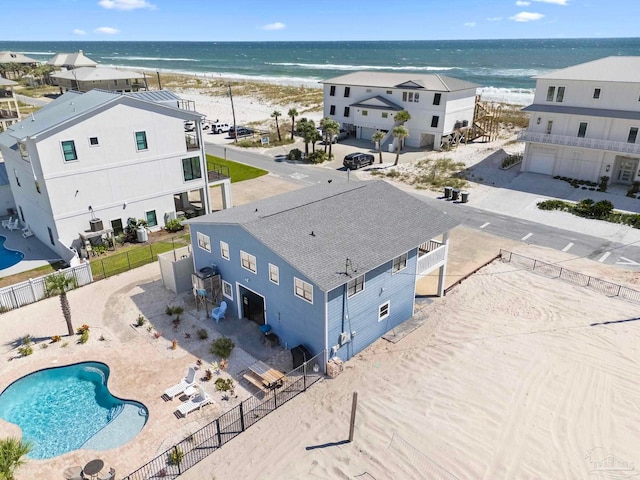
x: 357, y: 160
x: 242, y: 132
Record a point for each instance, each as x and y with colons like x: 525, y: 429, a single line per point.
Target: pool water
x: 66, y: 408
x: 8, y: 258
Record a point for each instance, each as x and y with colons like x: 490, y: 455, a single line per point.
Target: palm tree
x: 399, y: 133
x: 330, y: 128
x: 275, y: 114
x: 293, y: 113
x: 307, y: 129
x: 402, y: 117
x: 59, y: 284
x: 377, y: 138
x: 11, y: 452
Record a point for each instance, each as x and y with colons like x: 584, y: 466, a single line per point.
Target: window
x: 355, y: 286
x: 152, y: 220
x: 399, y: 263
x: 560, y: 95
x: 69, y: 151
x: 53, y: 242
x: 383, y: 311
x: 633, y: 134
x: 332, y: 91
x: 15, y: 172
x: 436, y: 98
x: 347, y: 91
x: 549, y: 127
x: 227, y: 291
x: 368, y: 90
x: 248, y: 261
x: 551, y: 92
x: 274, y: 274
x: 346, y: 111
x: 93, y: 141
x: 224, y: 250
x: 191, y: 168
x: 408, y: 97
x: 23, y: 150
x: 204, y: 242
x: 582, y: 129
x: 332, y: 110
x: 434, y: 121
x: 596, y: 93
x: 116, y: 225
x: 303, y: 289
x: 365, y: 113
x: 389, y: 92
x: 385, y: 114
x: 141, y: 140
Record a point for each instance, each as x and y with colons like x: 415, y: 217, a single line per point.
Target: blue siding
x: 359, y: 313
x: 293, y: 319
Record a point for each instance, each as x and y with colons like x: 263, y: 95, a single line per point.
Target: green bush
x: 175, y: 456
x: 173, y: 225
x: 26, y: 349
x: 223, y: 384
x: 203, y: 334
x: 84, y: 336
x: 555, y: 205
x: 140, y: 321
x: 511, y: 160
x: 318, y: 156
x: 222, y: 347
x: 295, y: 154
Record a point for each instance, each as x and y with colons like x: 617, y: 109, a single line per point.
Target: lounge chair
x: 6, y: 222
x: 198, y: 401
x: 15, y: 225
x: 179, y: 388
x: 26, y: 232
x: 219, y: 312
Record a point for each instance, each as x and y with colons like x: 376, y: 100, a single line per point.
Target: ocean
x: 503, y: 68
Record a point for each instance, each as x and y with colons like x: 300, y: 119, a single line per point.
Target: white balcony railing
x: 594, y: 143
x: 431, y: 257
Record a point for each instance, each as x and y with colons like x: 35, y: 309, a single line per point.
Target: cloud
x: 125, y: 4
x: 107, y: 30
x: 526, y: 17
x: 522, y: 3
x: 77, y: 31
x: 274, y: 26
x: 494, y: 19
x: 555, y: 2
x: 470, y: 24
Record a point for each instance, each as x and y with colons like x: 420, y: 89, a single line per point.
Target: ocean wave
x: 506, y: 72
x: 152, y: 59
x: 38, y: 53
x: 329, y: 66
x: 513, y: 96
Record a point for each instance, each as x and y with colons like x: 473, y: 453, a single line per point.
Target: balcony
x: 217, y: 172
x: 593, y: 143
x: 8, y: 115
x: 431, y: 254
x: 192, y: 142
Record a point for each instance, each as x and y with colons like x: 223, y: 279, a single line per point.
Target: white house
x: 85, y: 163
x: 84, y: 79
x: 69, y: 61
x: 584, y: 122
x: 9, y: 110
x: 363, y: 102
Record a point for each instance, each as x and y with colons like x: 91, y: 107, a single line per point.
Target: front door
x: 627, y: 170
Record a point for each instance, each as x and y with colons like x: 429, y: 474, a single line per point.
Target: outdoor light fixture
x: 608, y: 168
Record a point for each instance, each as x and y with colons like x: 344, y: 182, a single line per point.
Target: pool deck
x: 142, y: 366
x: 36, y: 253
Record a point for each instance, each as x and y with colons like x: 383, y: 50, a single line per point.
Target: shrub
x: 203, y: 334
x: 222, y: 347
x: 603, y: 183
x: 56, y: 338
x: 554, y: 205
x: 295, y: 154
x: 318, y: 156
x: 175, y: 456
x: 510, y: 160
x: 224, y: 384
x: 26, y: 349
x: 602, y: 209
x: 140, y: 321
x: 173, y: 225
x: 82, y: 329
x: 84, y: 336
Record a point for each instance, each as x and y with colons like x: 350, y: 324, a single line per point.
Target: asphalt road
x: 578, y: 244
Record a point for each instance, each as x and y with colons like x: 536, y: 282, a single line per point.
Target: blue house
x: 332, y: 267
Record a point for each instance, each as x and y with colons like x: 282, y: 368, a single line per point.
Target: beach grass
x: 237, y: 171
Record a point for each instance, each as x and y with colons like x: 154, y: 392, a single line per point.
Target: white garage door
x: 541, y: 164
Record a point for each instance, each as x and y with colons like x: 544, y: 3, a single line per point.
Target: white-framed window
x: 383, y: 311
x: 69, y: 151
x: 303, y: 289
x: 274, y: 273
x: 582, y: 129
x: 248, y: 261
x: 399, y: 263
x: 633, y: 135
x: 355, y: 286
x: 141, y: 141
x: 224, y: 250
x: 204, y: 242
x: 555, y: 93
x: 227, y: 290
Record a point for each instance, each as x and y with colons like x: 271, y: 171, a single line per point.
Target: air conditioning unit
x: 344, y: 338
x: 95, y: 224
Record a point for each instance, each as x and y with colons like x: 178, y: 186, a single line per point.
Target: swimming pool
x: 8, y: 258
x: 66, y: 408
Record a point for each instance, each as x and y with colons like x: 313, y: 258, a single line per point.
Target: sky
x: 299, y: 20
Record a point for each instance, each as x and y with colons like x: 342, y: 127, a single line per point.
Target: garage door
x: 539, y: 163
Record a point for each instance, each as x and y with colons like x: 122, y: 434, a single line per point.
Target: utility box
x: 142, y: 235
x: 95, y: 224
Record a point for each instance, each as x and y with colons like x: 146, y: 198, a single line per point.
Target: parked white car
x: 217, y: 127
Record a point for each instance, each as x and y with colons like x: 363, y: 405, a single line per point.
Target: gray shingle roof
x: 378, y: 103
x: 608, y: 69
x: 76, y: 59
x: 584, y: 111
x: 316, y: 229
x: 434, y: 82
x: 14, y: 57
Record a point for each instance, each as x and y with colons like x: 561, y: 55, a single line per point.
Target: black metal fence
x: 555, y: 271
x: 202, y: 443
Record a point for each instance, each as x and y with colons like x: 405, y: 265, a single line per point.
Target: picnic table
x: 270, y: 376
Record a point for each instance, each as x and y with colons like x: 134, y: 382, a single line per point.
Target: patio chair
x: 6, y: 222
x: 179, y: 388
x: 110, y: 475
x: 199, y: 400
x: 219, y: 312
x: 26, y: 232
x: 15, y: 225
